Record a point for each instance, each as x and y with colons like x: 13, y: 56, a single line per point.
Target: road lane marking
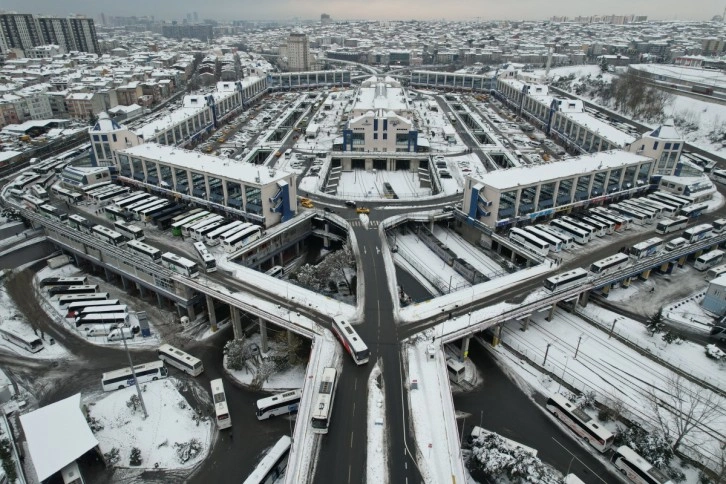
x: 351, y: 440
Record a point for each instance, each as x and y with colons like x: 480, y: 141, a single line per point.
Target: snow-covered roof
x: 581, y: 165
x: 381, y: 96
x: 601, y: 128
x: 214, y: 166
x: 57, y: 434
x: 105, y: 123
x: 666, y: 131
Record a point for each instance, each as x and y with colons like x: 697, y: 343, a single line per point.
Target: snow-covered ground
x: 171, y: 421
x: 279, y: 381
x: 15, y: 322
x: 370, y: 184
x: 432, y: 412
x: 430, y: 265
x: 377, y: 450
x: 614, y: 371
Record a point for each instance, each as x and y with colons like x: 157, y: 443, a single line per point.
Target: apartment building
x: 26, y: 31
x: 298, y: 52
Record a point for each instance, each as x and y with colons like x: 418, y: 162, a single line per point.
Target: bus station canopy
x: 57, y: 434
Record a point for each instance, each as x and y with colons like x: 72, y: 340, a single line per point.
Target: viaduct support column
x: 584, y: 298
x: 263, y: 334
x: 550, y: 314
x: 191, y: 314
x: 212, y: 313
x: 106, y: 275
x: 465, y: 348
x: 141, y: 289
x: 124, y: 283
x: 526, y: 322
x: 236, y: 322
x: 497, y: 337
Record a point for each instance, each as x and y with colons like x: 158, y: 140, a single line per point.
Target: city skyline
x: 282, y: 10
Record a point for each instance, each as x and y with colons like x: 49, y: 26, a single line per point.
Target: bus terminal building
x: 528, y: 194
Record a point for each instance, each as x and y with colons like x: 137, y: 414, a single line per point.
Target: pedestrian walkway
x: 357, y: 223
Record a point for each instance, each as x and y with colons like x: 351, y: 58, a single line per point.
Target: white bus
x: 719, y: 225
x: 107, y: 308
x: 273, y: 465
x: 639, y: 217
x: 676, y: 243
x: 80, y: 223
x: 53, y: 213
x: 242, y: 238
x: 33, y: 344
x: 621, y: 222
x: 567, y: 241
x: 323, y: 402
x: 176, y: 227
x: 183, y: 361
x: 566, y: 280
x: 101, y: 319
x: 210, y: 218
x: 75, y: 308
x: 32, y: 202
x: 605, y: 228
x: 71, y: 298
x: 107, y: 235
x: 232, y: 232
x: 200, y: 233
x: 666, y: 210
x: 610, y: 264
x: 209, y: 263
x: 131, y: 199
x: 708, y: 260
x: 636, y: 468
x: 455, y: 369
x: 597, y: 230
x: 146, y: 372
x: 647, y: 248
x: 351, y: 341
x: 148, y: 252
x: 714, y: 272
x: 668, y: 225
x: 578, y: 235
x: 693, y: 211
x: 131, y: 232
x: 224, y: 421
x: 654, y: 212
x: 580, y: 422
x: 719, y: 176
x: 555, y: 243
x: 212, y: 238
x: 611, y: 224
x: 280, y: 404
x: 179, y: 264
x: 40, y: 192
x: 144, y: 213
x: 697, y: 233
x: 529, y: 241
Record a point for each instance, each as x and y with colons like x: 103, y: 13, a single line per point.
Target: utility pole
x: 133, y: 373
x: 578, y: 346
x: 546, y: 353
x: 612, y: 328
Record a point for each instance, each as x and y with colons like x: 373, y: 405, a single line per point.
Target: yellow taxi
x: 306, y: 202
x: 362, y: 210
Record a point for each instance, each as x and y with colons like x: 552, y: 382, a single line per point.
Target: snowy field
x: 12, y: 320
x: 613, y: 371
x: 171, y: 421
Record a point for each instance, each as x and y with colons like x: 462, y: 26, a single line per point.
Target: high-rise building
x: 190, y: 31
x: 325, y: 19
x: 24, y: 31
x: 298, y: 52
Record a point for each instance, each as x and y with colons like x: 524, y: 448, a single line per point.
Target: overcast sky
x: 283, y: 10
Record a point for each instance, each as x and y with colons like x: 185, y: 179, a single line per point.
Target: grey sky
x: 371, y: 9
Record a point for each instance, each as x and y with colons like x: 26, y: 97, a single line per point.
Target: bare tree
x: 683, y: 407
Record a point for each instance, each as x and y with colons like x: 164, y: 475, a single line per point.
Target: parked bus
x: 176, y: 357
x: 107, y: 235
x: 529, y: 241
x: 146, y: 372
x: 39, y: 192
x: 209, y: 263
x: 114, y: 213
x: 141, y: 212
x: 80, y: 223
x: 140, y: 202
x: 109, y: 308
x: 279, y: 404
x: 273, y: 465
x: 455, y: 369
x: 131, y: 232
x: 232, y: 232
x: 636, y: 468
x: 63, y: 281
x: 323, y: 403
x: 665, y: 209
x: 109, y: 194
x: 33, y: 344
x: 577, y: 234
x: 673, y: 205
x: 646, y: 248
x: 146, y: 251
x: 71, y: 298
x: 147, y: 214
x: 77, y: 289
x: 567, y: 241
x: 668, y: 225
x: 351, y: 341
x: 555, y: 243
x: 639, y: 217
x: 663, y: 195
x: 219, y: 399
x: 199, y: 233
x: 603, y: 227
x: 112, y: 320
x: 68, y: 196
x: 242, y: 238
x: 212, y: 237
x: 693, y: 211
x: 580, y: 422
x: 643, y: 207
x: 189, y: 230
x: 131, y: 199
x: 697, y: 233
x: 53, y: 213
x: 26, y: 180
x: 714, y: 272
x: 621, y: 222
x: 186, y: 214
x: 708, y: 260
x: 73, y: 309
x: 610, y: 264
x: 719, y: 225
x: 582, y: 226
x: 179, y: 264
x: 612, y: 226
x: 566, y: 280
x: 176, y: 227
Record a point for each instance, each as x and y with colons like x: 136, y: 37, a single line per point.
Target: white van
x: 288, y: 153
x: 100, y: 330
x: 276, y: 271
x: 120, y: 333
x: 676, y: 243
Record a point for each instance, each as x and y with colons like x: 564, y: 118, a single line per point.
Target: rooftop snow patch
x: 57, y: 434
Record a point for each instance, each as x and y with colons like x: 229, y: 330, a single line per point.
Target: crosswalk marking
x: 357, y: 223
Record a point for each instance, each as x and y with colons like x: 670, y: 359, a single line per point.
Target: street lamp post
x: 133, y: 373
x: 563, y: 375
